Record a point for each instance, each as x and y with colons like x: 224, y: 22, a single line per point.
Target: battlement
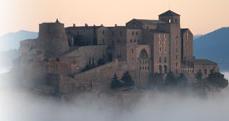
x: 52, y: 38
x: 47, y: 30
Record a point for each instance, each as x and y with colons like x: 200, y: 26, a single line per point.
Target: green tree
x: 170, y: 79
x: 217, y: 80
x: 182, y: 80
x: 199, y: 75
x: 127, y: 79
x: 115, y: 83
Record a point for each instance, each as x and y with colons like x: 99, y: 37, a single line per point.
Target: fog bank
x: 20, y: 105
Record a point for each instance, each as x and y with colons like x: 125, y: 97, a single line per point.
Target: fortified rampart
x: 52, y: 39
x: 96, y: 79
x: 81, y: 56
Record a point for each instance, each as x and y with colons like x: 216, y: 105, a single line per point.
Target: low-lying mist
x: 20, y: 105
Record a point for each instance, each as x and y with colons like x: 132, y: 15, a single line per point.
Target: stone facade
x: 205, y: 67
x: 86, y: 57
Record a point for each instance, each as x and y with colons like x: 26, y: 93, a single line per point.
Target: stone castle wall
x: 87, y: 55
x: 96, y: 79
x: 52, y: 39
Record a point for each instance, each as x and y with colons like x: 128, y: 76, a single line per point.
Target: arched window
x: 160, y: 69
x: 165, y: 68
x: 143, y: 54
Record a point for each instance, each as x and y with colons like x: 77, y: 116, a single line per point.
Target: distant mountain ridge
x: 11, y: 41
x: 214, y: 46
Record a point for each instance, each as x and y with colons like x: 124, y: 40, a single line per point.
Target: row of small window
x: 205, y: 71
x: 144, y: 61
x: 144, y: 68
x: 134, y: 40
x: 162, y: 36
x: 134, y: 33
x: 165, y: 50
x: 163, y: 69
x: 162, y: 42
x: 173, y: 21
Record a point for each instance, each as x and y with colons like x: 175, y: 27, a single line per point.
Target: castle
x: 80, y: 58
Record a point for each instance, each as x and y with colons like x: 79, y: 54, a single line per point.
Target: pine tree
x: 127, y: 79
x: 115, y: 83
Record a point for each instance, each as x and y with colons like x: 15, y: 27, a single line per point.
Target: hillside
x: 214, y: 46
x: 11, y: 41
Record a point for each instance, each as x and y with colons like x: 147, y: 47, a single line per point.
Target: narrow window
x: 165, y: 60
x: 132, y: 33
x: 165, y: 68
x: 160, y: 69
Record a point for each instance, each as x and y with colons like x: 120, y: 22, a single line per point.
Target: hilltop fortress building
x: 86, y: 57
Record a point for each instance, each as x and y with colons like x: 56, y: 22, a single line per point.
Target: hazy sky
x: 201, y: 16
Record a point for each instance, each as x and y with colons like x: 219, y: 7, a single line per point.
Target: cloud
x: 20, y: 105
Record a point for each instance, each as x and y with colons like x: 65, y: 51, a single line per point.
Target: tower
x: 171, y: 25
x: 52, y: 39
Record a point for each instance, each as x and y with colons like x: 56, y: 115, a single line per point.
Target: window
x: 160, y: 69
x: 164, y: 37
x: 136, y: 33
x: 159, y: 59
x: 132, y: 33
x: 159, y: 35
x: 165, y: 60
x: 165, y: 68
x: 176, y: 64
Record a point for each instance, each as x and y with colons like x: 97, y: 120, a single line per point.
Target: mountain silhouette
x: 11, y: 41
x: 214, y: 46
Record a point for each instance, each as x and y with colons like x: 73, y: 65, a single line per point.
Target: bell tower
x: 170, y: 17
x: 171, y: 24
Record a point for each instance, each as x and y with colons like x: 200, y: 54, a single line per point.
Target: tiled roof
x: 205, y: 62
x: 147, y: 21
x: 169, y: 13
